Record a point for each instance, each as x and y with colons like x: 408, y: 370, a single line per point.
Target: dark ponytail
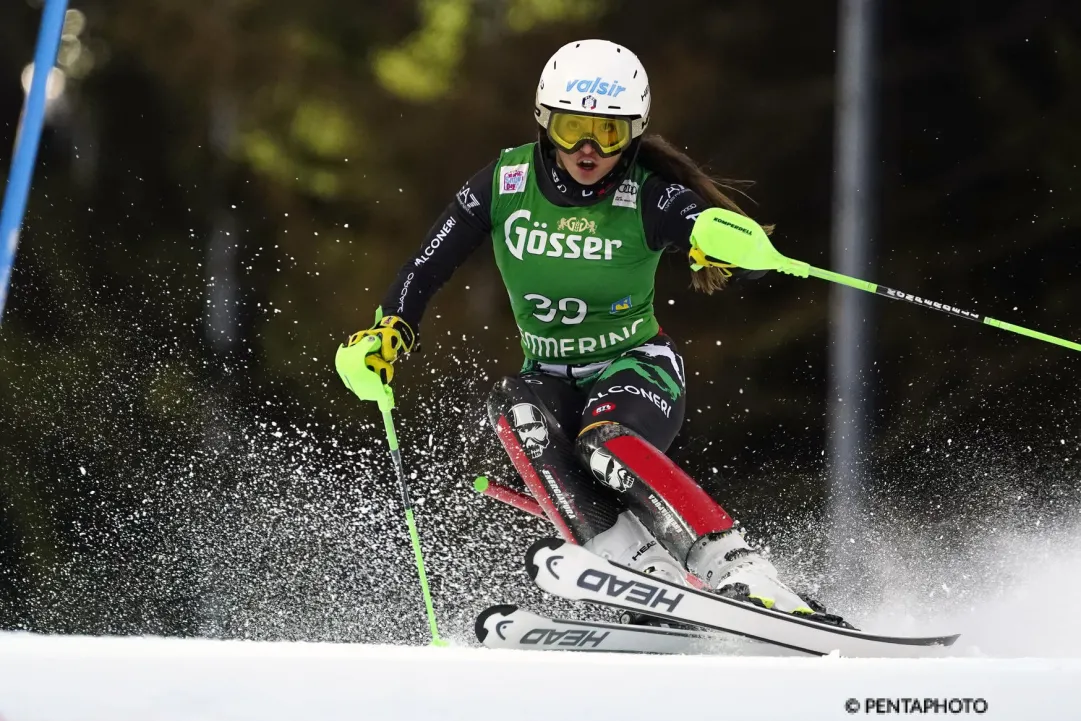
x: 666, y: 160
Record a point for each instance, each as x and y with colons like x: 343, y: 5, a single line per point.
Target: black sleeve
x: 668, y: 214
x: 464, y: 225
x: 669, y: 211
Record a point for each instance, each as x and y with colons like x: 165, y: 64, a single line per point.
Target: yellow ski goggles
x: 570, y: 131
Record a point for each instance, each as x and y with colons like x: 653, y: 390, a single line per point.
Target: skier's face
x: 585, y: 166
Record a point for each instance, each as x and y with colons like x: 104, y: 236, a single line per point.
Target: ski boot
x: 629, y: 544
x: 734, y: 570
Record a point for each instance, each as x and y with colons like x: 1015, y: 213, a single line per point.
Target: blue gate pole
x: 27, y: 140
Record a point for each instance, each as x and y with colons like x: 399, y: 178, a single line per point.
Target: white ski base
x: 64, y: 678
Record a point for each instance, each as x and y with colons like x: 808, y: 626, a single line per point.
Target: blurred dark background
x: 226, y: 188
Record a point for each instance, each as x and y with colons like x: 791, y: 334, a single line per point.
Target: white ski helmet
x: 594, y: 77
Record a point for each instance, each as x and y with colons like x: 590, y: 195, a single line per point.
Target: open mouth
x: 587, y: 164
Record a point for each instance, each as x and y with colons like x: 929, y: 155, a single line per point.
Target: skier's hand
x: 698, y: 259
x: 725, y: 239
x: 390, y: 338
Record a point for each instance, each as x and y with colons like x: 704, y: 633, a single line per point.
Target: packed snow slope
x: 57, y: 678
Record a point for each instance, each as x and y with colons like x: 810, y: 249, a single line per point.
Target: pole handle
x: 359, y: 378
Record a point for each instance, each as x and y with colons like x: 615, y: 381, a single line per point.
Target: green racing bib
x: 580, y: 280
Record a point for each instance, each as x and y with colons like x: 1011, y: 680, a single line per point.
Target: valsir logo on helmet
x: 597, y: 86
x: 600, y: 77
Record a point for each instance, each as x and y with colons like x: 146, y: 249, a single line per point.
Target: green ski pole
x: 368, y: 386
x: 729, y: 238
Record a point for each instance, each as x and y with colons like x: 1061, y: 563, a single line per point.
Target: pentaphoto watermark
x: 916, y: 705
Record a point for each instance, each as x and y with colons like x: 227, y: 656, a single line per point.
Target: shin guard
x: 665, y: 499
x: 545, y: 459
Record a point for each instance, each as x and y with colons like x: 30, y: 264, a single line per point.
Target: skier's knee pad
x: 546, y: 462
x: 594, y: 455
x: 504, y: 394
x: 628, y: 543
x: 513, y: 404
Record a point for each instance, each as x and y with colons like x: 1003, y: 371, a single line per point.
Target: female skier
x: 578, y: 221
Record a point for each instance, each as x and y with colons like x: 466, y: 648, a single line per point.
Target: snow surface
x: 56, y: 678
